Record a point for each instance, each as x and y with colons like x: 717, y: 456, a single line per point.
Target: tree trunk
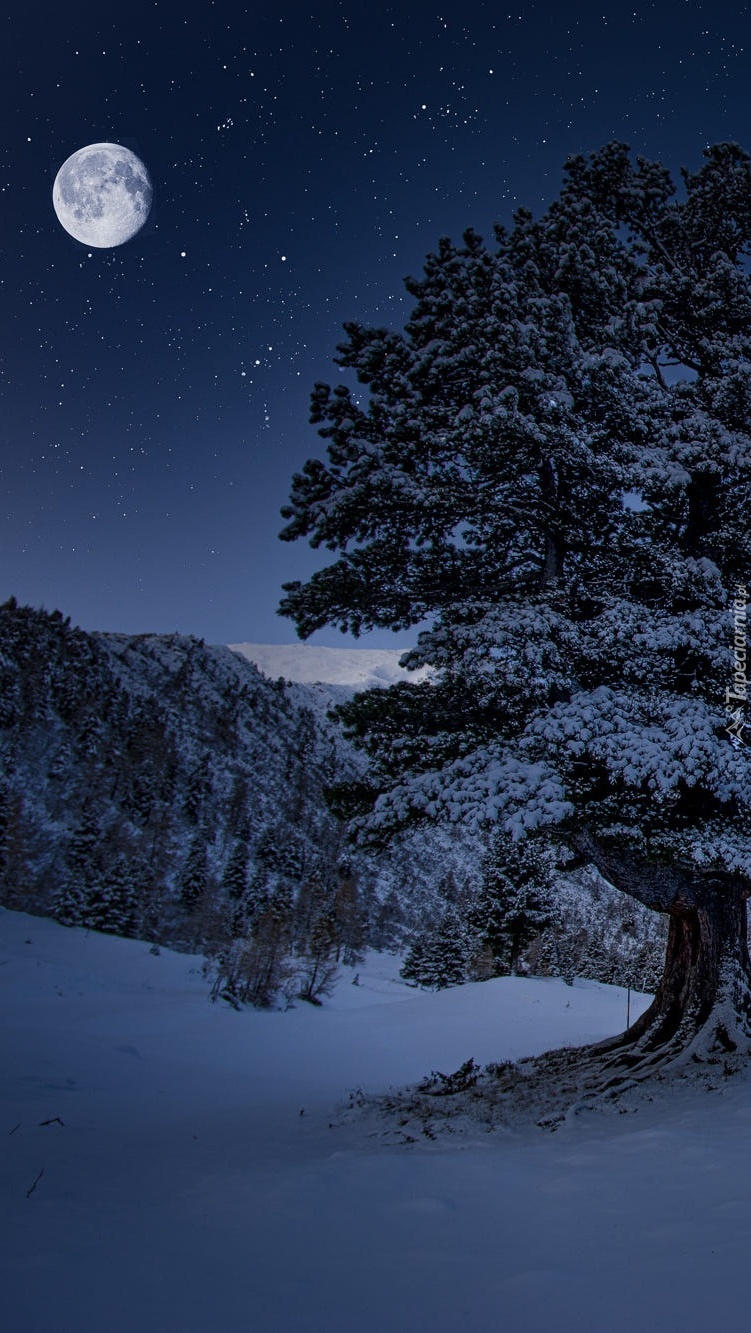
x: 702, y: 1008
x: 703, y: 1001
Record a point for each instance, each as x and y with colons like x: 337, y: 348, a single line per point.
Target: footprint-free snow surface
x: 172, y: 1165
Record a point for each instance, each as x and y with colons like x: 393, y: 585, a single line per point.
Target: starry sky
x: 305, y: 157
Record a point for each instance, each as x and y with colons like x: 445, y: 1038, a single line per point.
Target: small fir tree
x: 194, y: 877
x: 513, y: 906
x: 441, y: 957
x: 81, y: 868
x: 111, y: 903
x: 234, y: 880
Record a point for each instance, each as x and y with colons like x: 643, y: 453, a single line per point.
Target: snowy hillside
x: 358, y: 668
x: 164, y: 789
x: 169, y: 1164
x: 154, y: 786
x: 159, y: 1173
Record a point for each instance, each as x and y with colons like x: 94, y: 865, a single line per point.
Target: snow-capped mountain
x: 306, y: 664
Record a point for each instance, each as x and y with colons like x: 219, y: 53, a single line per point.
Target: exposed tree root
x: 558, y: 1087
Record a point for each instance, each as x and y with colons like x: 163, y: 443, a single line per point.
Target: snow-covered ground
x: 195, y: 1175
x: 307, y: 664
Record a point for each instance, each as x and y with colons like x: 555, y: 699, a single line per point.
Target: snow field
x: 195, y: 1182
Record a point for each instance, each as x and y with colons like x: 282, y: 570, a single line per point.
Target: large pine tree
x: 549, y: 471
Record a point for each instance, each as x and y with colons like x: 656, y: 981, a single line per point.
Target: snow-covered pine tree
x: 412, y: 967
x: 82, y: 862
x: 551, y: 466
x: 513, y: 905
x: 194, y: 876
x: 111, y: 902
x: 234, y: 880
x: 441, y: 956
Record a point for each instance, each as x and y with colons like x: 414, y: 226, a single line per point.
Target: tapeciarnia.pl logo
x: 737, y: 696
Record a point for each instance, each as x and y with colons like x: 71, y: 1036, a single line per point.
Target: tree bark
x: 702, y: 1008
x: 703, y: 1001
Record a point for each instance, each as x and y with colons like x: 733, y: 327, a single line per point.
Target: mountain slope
x: 155, y: 786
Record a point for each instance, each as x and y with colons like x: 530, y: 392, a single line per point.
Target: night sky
x: 304, y: 157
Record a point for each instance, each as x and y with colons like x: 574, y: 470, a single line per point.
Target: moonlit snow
x: 195, y: 1184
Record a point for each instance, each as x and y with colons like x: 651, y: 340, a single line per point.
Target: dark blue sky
x: 305, y: 157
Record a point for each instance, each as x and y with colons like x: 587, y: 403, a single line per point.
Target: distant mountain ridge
x: 307, y: 664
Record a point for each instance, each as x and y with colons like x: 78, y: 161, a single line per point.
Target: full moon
x: 102, y: 194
